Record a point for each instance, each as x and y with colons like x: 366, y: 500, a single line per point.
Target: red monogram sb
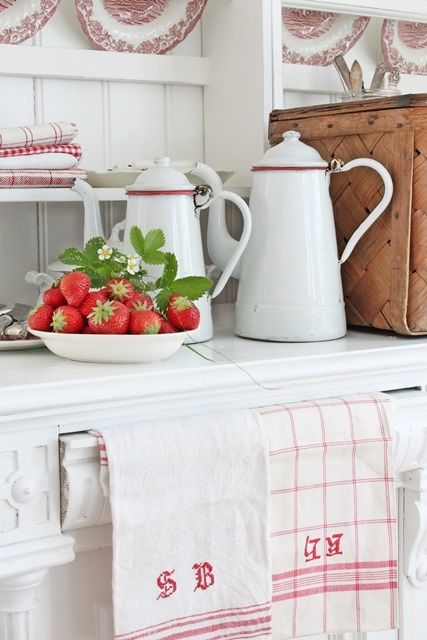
x: 166, y: 584
x: 204, y: 576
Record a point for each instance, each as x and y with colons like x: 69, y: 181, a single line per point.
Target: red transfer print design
x: 307, y: 24
x: 166, y: 584
x: 333, y: 545
x: 204, y: 575
x: 310, y: 549
x: 5, y: 4
x: 26, y: 22
x: 103, y: 37
x: 135, y: 11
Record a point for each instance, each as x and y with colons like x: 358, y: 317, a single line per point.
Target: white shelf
x: 113, y: 194
x: 77, y: 64
x: 116, y: 194
x: 413, y: 10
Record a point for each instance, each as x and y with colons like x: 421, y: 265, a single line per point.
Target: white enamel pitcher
x: 163, y: 198
x: 290, y: 286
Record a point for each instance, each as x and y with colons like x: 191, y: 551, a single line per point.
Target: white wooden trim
x: 113, y: 194
x: 102, y: 65
x: 415, y: 10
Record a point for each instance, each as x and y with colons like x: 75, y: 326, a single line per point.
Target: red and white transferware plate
x: 21, y: 19
x: 316, y: 37
x: 404, y: 45
x: 138, y: 26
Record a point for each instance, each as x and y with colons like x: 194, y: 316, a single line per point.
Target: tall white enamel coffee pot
x: 290, y: 286
x: 163, y: 198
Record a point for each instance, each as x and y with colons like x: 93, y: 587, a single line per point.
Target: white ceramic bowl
x: 87, y: 347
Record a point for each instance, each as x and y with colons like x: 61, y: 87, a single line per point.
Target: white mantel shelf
x: 37, y: 385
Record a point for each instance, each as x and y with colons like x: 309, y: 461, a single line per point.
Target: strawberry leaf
x: 193, y: 287
x: 72, y: 256
x: 154, y: 240
x: 155, y: 257
x: 90, y: 251
x: 137, y: 240
x: 162, y: 299
x: 169, y: 272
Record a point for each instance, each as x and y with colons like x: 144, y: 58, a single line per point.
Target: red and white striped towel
x: 189, y: 502
x: 37, y: 134
x: 332, y: 506
x: 71, y: 149
x: 40, y: 178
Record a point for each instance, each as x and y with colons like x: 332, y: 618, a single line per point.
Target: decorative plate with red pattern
x: 404, y: 45
x: 316, y: 37
x: 21, y: 19
x: 138, y: 26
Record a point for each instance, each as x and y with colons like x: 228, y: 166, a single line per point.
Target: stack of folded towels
x: 40, y: 155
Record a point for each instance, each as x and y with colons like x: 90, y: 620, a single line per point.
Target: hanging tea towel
x: 191, y: 549
x: 332, y: 503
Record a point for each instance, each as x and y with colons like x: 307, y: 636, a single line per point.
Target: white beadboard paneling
x: 64, y: 30
x: 79, y: 102
x: 18, y: 251
x: 184, y: 126
x: 137, y: 117
x: 65, y: 227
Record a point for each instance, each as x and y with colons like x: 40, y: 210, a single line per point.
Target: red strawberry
x: 120, y: 289
x: 140, y: 301
x: 182, y: 313
x: 89, y: 303
x: 87, y: 329
x: 109, y: 317
x: 67, y: 319
x: 167, y: 327
x: 54, y: 297
x: 41, y: 317
x: 144, y: 322
x: 75, y: 287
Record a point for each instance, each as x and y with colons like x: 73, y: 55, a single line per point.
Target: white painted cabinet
x: 48, y: 404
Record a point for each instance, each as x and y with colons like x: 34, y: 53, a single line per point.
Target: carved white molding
x: 29, y: 485
x: 18, y: 599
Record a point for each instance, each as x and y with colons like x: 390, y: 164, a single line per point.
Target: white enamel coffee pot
x: 290, y: 286
x: 163, y: 198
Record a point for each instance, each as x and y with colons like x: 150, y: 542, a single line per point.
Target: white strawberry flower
x: 133, y: 264
x: 105, y: 252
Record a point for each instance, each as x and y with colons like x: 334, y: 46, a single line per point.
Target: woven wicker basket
x: 385, y: 279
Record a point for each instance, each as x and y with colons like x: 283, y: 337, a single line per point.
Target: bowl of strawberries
x: 110, y: 310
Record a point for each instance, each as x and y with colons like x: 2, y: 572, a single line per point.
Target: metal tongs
x: 13, y: 321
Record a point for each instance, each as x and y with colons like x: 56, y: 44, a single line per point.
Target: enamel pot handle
x: 375, y: 214
x: 241, y: 245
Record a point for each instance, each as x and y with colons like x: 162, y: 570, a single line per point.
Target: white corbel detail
x: 415, y: 526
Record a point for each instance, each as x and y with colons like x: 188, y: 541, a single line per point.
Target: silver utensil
x: 343, y: 71
x: 356, y: 77
x: 379, y: 76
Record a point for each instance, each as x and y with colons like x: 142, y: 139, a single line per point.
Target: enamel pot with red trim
x: 163, y: 198
x: 290, y: 286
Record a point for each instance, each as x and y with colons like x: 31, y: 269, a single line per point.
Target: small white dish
x: 17, y: 345
x: 116, y: 349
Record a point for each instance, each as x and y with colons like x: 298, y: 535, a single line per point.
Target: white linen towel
x: 40, y: 161
x: 37, y: 134
x: 332, y: 504
x: 189, y: 501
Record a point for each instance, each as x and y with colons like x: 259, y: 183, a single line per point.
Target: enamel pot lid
x: 291, y: 153
x: 162, y: 179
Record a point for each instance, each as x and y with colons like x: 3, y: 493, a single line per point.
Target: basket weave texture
x: 385, y: 278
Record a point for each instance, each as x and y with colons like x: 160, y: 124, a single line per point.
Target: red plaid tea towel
x: 332, y: 506
x: 37, y: 134
x: 40, y: 177
x: 191, y: 548
x: 70, y: 149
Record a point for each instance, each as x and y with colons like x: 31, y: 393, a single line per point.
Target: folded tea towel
x: 71, y: 149
x: 189, y: 501
x: 43, y: 161
x: 40, y: 178
x: 37, y: 134
x: 332, y: 506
